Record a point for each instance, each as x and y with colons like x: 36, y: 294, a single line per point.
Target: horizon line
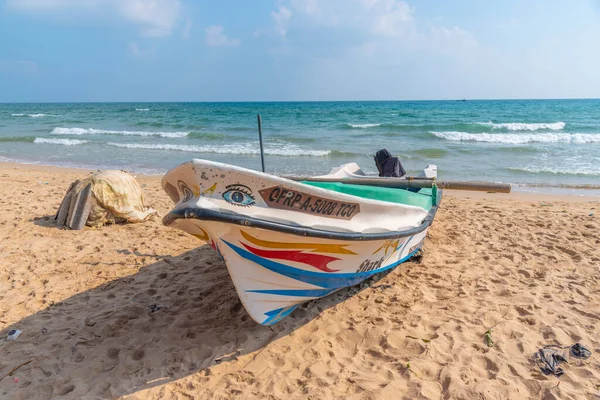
x: 296, y: 101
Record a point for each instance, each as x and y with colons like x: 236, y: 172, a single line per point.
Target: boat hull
x: 275, y: 272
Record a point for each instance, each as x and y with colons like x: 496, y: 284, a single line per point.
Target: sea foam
x: 92, y: 131
x: 577, y: 138
x: 65, y: 142
x: 239, y: 149
x: 362, y: 126
x: 557, y: 171
x: 33, y: 115
x: 521, y: 126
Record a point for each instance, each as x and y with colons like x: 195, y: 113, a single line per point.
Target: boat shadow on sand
x: 176, y: 317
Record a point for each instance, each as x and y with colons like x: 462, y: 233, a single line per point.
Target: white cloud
x: 376, y: 49
x: 307, y: 6
x: 282, y: 18
x: 152, y: 17
x: 216, y: 37
x: 387, y: 18
x: 363, y: 27
x: 390, y: 18
x: 155, y: 17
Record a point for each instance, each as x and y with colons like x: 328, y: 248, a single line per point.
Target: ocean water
x: 539, y: 145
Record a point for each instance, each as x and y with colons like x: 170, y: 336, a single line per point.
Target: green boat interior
x: 424, y: 198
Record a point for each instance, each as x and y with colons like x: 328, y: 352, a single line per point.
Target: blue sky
x: 184, y: 50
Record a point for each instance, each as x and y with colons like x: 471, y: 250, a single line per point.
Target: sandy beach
x: 524, y: 266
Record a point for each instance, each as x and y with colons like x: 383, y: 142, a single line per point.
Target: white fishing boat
x: 286, y: 242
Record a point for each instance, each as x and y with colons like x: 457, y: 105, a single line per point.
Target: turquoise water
x: 535, y: 143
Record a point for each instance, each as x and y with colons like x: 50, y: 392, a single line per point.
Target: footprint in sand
x: 522, y: 312
x: 65, y: 390
x: 113, y: 353
x: 138, y: 354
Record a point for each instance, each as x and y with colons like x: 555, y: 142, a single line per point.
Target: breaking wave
x: 577, y: 138
x: 292, y: 139
x: 556, y: 171
x: 521, y: 126
x: 64, y: 142
x: 239, y: 149
x: 362, y: 126
x: 473, y: 127
x: 91, y: 131
x: 142, y: 109
x: 33, y: 115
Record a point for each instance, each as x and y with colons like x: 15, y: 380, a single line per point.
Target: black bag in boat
x: 387, y: 165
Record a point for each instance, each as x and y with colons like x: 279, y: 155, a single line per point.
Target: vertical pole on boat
x: 262, y: 152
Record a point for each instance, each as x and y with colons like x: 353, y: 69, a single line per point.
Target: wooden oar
x: 413, y: 182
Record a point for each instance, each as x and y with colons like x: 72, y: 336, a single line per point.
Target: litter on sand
x: 579, y: 351
x: 488, y: 338
x: 155, y: 307
x: 549, y: 357
x: 13, y: 334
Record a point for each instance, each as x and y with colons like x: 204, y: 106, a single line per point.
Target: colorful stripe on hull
x: 329, y: 282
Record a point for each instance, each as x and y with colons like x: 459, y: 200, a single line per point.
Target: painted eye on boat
x: 186, y: 192
x: 239, y: 195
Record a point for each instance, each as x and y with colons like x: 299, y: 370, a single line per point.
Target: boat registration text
x: 286, y: 199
